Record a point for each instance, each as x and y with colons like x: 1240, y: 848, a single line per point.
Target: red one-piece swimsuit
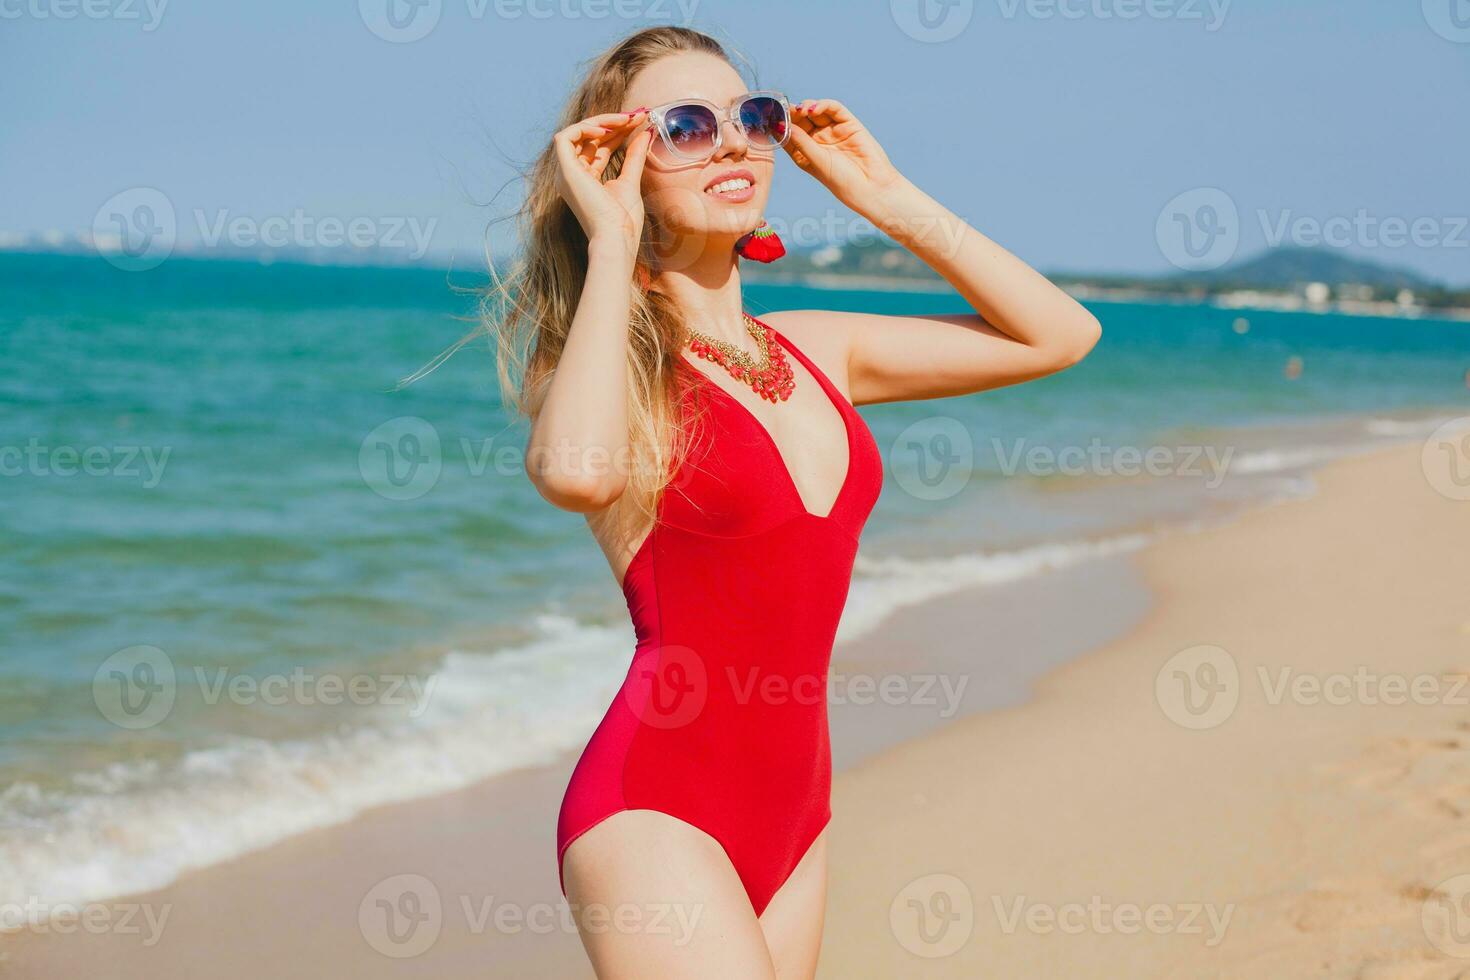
x: 735, y: 597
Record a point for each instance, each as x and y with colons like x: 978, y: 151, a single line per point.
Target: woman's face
x: 688, y: 214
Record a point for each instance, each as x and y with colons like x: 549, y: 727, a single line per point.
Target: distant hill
x: 1283, y: 268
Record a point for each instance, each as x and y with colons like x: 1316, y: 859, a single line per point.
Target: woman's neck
x: 707, y: 291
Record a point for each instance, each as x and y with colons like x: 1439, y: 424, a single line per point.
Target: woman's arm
x: 578, y: 446
x: 1024, y: 327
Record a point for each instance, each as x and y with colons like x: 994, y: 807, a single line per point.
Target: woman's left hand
x: 829, y: 143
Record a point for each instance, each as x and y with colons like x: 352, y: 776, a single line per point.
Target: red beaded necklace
x: 771, y: 376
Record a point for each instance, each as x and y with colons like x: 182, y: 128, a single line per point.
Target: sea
x: 252, y: 585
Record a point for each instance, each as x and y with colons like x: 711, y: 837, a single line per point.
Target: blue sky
x: 1062, y: 128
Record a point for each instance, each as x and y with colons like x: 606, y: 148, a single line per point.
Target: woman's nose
x: 733, y: 144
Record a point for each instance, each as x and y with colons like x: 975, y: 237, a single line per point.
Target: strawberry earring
x: 763, y: 244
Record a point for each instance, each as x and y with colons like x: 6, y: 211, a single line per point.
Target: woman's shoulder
x: 825, y: 336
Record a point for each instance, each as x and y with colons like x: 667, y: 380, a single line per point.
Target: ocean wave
x: 1405, y: 427
x: 882, y: 586
x: 1295, y: 458
x: 137, y: 826
x: 134, y: 827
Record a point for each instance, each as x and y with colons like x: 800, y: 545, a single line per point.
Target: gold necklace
x: 770, y: 376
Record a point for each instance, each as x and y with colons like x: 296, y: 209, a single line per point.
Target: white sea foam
x: 1405, y: 427
x: 881, y: 586
x: 136, y: 827
x: 1280, y: 460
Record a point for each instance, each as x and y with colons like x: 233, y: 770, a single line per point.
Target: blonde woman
x: 727, y: 477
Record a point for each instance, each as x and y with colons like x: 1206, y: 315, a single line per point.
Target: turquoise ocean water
x: 214, y: 498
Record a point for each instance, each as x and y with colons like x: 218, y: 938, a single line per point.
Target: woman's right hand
x: 611, y: 212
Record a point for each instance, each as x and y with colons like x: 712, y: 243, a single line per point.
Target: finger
x: 633, y: 160
x: 801, y: 120
x: 599, y: 122
x: 801, y: 147
x: 825, y: 112
x: 600, y: 154
x: 588, y: 134
x: 806, y: 117
x: 593, y: 145
x: 627, y: 131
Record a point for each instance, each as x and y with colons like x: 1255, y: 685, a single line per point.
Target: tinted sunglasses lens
x: 692, y: 130
x: 764, y: 120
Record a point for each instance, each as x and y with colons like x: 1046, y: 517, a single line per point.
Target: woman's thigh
x: 792, y: 922
x: 657, y: 897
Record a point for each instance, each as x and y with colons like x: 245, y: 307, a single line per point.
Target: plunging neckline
x: 844, y: 408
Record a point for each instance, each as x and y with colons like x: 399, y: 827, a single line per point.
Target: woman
x: 727, y: 485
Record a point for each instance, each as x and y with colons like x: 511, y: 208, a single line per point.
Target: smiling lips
x: 735, y: 186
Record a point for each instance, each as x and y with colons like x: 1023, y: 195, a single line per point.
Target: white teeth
x: 725, y: 186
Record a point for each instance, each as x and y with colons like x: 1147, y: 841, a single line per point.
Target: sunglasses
x: 692, y: 130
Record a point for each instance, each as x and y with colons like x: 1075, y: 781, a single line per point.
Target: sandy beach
x: 1244, y: 752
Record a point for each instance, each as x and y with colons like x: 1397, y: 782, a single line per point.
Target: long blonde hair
x: 528, y: 313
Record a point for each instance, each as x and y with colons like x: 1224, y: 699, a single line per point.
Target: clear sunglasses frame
x: 729, y: 113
